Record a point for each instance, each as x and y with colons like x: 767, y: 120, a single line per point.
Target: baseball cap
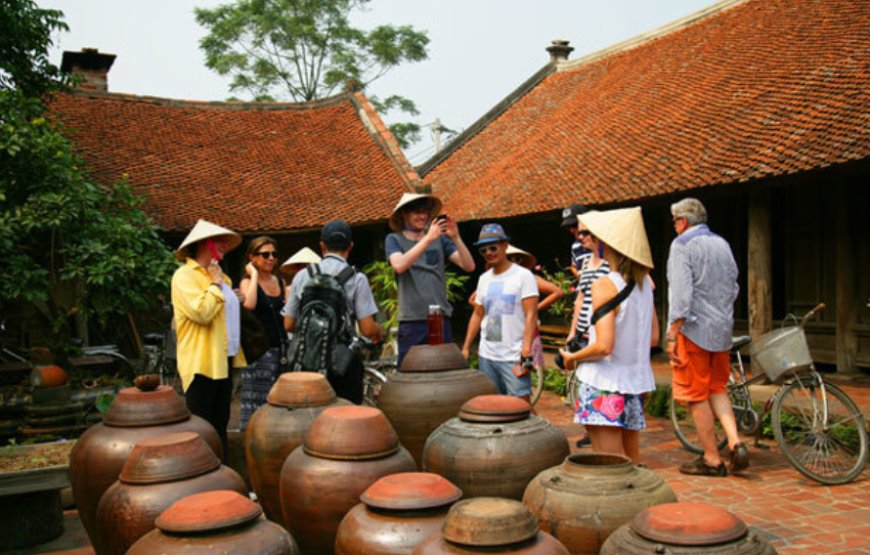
x: 336, y: 235
x: 569, y: 214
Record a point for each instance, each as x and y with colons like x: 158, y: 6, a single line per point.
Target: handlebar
x: 809, y: 315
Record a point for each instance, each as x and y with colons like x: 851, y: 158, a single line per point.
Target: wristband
x: 671, y: 339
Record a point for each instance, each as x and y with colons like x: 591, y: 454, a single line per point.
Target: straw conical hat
x: 204, y: 230
x: 622, y: 230
x: 396, y: 222
x: 529, y: 259
x: 302, y: 256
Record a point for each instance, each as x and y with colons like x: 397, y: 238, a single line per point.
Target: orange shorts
x: 700, y: 373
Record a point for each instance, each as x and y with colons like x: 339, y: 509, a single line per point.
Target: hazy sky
x: 480, y: 50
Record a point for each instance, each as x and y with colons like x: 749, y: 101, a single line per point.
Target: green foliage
x: 103, y: 402
x: 556, y: 380
x: 306, y: 49
x: 658, y: 402
x: 24, y: 44
x: 564, y: 278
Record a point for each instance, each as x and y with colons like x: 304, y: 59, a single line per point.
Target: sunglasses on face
x: 517, y: 259
x: 268, y: 254
x: 487, y: 249
x: 584, y: 233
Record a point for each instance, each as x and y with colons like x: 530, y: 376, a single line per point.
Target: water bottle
x: 436, y: 325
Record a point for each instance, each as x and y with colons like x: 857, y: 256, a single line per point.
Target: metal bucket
x: 781, y: 351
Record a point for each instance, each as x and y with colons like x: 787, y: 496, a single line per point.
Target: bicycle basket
x: 781, y: 351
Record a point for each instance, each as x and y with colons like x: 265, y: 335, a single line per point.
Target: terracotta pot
x: 433, y: 383
x: 494, y: 448
x: 160, y: 471
x: 48, y: 376
x: 347, y: 450
x: 100, y: 453
x: 610, y: 487
x: 397, y: 513
x: 215, y: 522
x: 279, y: 427
x: 686, y: 529
x: 490, y: 525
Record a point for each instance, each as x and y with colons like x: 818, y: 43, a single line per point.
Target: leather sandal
x: 700, y: 467
x: 738, y: 458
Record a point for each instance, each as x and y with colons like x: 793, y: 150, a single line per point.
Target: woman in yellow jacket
x: 207, y: 318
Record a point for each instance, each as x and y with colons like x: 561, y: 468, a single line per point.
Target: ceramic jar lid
x: 434, y: 358
x: 495, y: 408
x: 135, y: 407
x: 301, y: 389
x: 209, y: 511
x: 690, y: 524
x: 411, y: 491
x: 489, y: 521
x: 167, y: 458
x: 351, y: 433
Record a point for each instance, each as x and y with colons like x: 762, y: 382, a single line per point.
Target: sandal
x: 700, y: 467
x: 738, y: 458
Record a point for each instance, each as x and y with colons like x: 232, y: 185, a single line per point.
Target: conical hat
x: 529, y: 259
x: 302, y: 256
x: 622, y: 230
x: 204, y: 230
x: 396, y: 221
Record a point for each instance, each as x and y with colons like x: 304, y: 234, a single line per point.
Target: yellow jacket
x: 201, y: 325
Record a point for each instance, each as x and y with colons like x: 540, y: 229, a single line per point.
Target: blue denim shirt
x: 702, y: 287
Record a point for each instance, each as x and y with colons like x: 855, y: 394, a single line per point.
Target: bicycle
x: 818, y: 427
x: 159, y: 354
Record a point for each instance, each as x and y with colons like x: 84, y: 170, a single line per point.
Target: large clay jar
x: 347, y: 450
x: 215, y: 522
x: 279, y: 427
x: 429, y: 389
x: 590, y: 495
x: 490, y: 525
x: 397, y: 513
x: 160, y: 471
x: 100, y: 453
x: 686, y: 529
x: 495, y: 447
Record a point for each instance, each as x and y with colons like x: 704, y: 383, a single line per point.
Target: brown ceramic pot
x: 610, y: 487
x: 279, y: 427
x: 490, y: 525
x: 100, y: 453
x: 494, y: 448
x: 215, y: 522
x: 346, y: 451
x: 429, y: 389
x: 686, y: 529
x: 397, y: 513
x: 160, y: 471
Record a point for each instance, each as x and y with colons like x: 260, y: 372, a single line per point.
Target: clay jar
x: 495, y: 447
x: 215, y: 522
x: 397, y: 513
x: 160, y: 471
x: 346, y: 451
x: 585, y: 499
x: 429, y: 389
x: 686, y: 529
x: 100, y: 453
x: 279, y: 427
x: 490, y: 525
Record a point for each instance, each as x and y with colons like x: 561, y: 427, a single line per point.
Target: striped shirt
x: 588, y: 276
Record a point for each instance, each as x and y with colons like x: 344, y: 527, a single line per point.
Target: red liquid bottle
x: 436, y: 325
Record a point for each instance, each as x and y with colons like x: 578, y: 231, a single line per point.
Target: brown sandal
x: 738, y: 458
x: 700, y: 467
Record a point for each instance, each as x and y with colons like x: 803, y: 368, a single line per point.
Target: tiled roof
x: 252, y: 167
x: 751, y: 89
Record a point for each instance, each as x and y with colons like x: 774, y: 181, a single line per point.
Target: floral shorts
x: 596, y: 407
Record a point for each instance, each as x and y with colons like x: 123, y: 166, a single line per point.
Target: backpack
x: 323, y: 330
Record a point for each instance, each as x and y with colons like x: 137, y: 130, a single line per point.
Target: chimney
x: 92, y: 65
x: 559, y: 50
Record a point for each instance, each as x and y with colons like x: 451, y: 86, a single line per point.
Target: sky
x: 479, y: 50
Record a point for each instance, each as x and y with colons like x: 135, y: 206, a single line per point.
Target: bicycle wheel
x: 571, y: 393
x: 169, y: 375
x: 830, y: 450
x: 684, y: 428
x: 372, y: 382
x: 537, y: 385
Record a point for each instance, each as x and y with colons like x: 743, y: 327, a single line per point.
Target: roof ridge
x: 215, y: 104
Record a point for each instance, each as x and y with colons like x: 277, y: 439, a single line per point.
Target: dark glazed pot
x: 100, y: 453
x: 686, y: 529
x: 490, y: 525
x: 346, y: 451
x: 160, y: 471
x: 215, y: 522
x: 610, y: 487
x: 279, y: 427
x: 397, y: 513
x: 429, y: 389
x: 494, y: 448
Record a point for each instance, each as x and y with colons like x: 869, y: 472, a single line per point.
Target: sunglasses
x: 487, y: 249
x: 268, y: 254
x: 584, y: 233
x: 515, y: 258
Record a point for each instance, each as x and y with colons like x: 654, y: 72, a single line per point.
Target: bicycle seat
x: 152, y: 339
x: 739, y: 341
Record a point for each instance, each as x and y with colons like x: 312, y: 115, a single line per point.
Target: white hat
x: 397, y: 223
x: 204, y: 230
x: 529, y: 259
x: 622, y: 230
x: 302, y: 256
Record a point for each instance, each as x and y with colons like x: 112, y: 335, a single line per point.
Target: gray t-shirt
x: 424, y: 283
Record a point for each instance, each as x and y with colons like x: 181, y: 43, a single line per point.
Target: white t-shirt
x: 504, y: 320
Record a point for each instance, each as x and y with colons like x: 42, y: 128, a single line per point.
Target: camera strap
x: 608, y: 307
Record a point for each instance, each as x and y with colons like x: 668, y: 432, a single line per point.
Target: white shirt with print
x: 504, y: 320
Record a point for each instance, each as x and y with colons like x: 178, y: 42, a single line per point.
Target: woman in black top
x: 264, y: 295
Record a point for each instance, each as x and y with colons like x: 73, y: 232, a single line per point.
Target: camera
x: 572, y: 347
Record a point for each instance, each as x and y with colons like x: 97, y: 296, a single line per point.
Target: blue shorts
x: 502, y: 375
x: 416, y: 333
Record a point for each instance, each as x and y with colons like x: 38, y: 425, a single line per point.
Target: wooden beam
x: 848, y: 298
x: 759, y: 264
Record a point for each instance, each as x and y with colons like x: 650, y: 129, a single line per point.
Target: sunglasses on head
x: 487, y: 249
x: 268, y: 254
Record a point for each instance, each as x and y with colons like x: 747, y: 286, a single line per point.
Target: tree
x: 67, y: 245
x: 307, y: 49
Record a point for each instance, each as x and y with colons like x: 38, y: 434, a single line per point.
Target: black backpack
x: 323, y: 330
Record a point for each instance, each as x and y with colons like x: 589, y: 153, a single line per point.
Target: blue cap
x: 491, y: 233
x: 336, y: 235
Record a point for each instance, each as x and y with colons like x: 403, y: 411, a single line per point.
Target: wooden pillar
x: 759, y: 264
x: 848, y: 297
